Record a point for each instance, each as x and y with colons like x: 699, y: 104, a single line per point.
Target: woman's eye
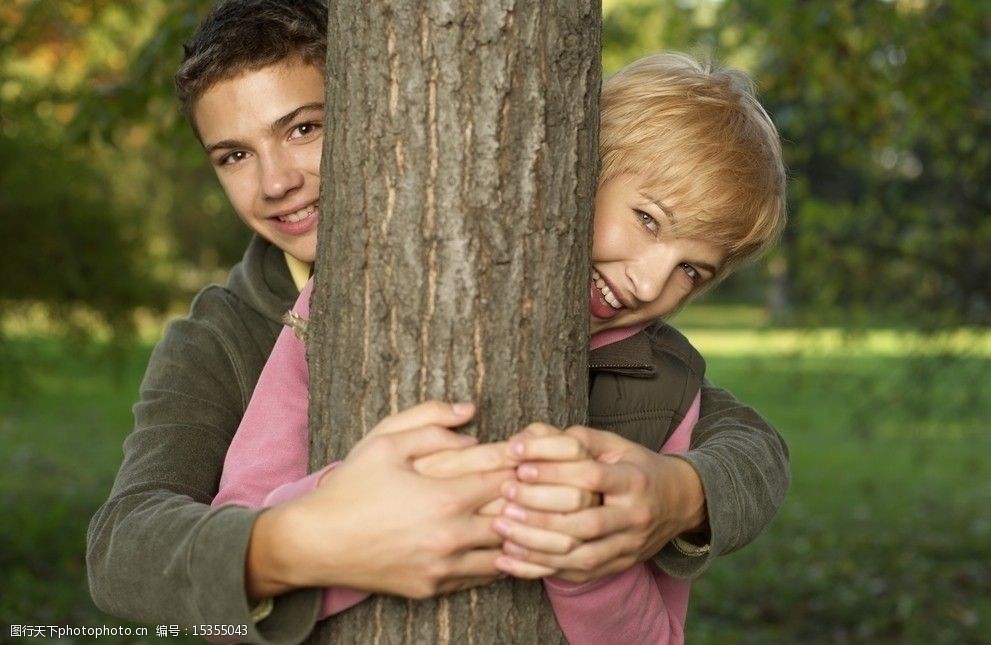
x: 647, y: 220
x: 692, y: 273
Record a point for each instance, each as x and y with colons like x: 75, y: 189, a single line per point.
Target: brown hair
x: 239, y: 36
x: 702, y: 146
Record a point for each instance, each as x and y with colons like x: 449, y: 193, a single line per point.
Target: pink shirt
x: 268, y: 458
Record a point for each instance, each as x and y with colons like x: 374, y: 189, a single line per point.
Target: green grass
x: 885, y: 535
x: 62, y: 422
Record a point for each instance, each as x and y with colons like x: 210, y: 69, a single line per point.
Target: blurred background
x: 864, y: 337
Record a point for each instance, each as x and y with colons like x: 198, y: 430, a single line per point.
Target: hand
x: 540, y: 442
x: 452, y: 462
x: 647, y: 498
x: 501, y: 455
x: 374, y: 523
x: 460, y: 462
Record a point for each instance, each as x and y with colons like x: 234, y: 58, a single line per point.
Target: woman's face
x: 640, y: 271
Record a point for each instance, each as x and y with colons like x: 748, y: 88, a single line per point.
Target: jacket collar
x: 262, y: 280
x: 628, y: 356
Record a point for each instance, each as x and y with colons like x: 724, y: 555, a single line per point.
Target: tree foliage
x: 884, y: 109
x: 104, y: 198
x: 883, y: 105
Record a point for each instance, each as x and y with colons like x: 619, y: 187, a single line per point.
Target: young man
x: 156, y: 551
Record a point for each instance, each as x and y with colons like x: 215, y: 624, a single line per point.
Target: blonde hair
x: 702, y: 146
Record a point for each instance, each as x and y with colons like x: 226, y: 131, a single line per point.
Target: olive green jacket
x: 157, y: 553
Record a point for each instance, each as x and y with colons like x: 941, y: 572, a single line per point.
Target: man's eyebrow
x: 226, y: 144
x: 278, y: 124
x: 285, y: 120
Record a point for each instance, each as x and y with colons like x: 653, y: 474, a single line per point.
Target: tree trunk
x: 459, y: 174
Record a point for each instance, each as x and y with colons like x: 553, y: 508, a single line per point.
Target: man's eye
x: 647, y: 220
x: 304, y: 130
x: 233, y: 158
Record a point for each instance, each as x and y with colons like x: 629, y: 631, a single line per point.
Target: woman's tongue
x: 597, y: 305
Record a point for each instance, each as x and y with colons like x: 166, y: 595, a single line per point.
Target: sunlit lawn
x: 886, y: 533
x: 885, y: 536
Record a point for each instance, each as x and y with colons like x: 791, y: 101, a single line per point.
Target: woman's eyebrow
x: 705, y: 265
x: 667, y: 212
x: 661, y: 207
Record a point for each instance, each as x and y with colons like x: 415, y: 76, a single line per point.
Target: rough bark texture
x: 459, y: 175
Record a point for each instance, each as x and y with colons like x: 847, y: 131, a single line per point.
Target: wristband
x: 684, y: 547
x: 262, y: 610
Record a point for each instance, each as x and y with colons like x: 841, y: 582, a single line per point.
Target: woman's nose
x: 649, y: 274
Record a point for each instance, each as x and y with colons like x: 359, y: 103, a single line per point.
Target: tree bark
x: 459, y: 174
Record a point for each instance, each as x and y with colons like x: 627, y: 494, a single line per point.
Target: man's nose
x: 279, y: 175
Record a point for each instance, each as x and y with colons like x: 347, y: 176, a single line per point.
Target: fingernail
x: 517, y: 448
x: 504, y: 564
x: 527, y: 472
x: 462, y: 408
x: 514, y: 512
x: 502, y: 527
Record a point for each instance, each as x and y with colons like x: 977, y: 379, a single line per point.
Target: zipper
x: 615, y: 365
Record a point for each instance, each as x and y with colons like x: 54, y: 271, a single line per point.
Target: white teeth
x: 606, y: 292
x: 301, y: 214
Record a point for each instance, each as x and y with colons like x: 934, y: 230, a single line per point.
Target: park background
x: 864, y: 337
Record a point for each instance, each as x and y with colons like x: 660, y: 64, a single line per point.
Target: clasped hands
x: 421, y: 510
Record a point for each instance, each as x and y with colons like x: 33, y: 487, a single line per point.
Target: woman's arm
x: 638, y: 604
x: 267, y: 464
x: 736, y: 459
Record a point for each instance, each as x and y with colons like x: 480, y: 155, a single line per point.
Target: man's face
x: 640, y: 271
x: 263, y: 132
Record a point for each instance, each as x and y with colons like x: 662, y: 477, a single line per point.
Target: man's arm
x: 156, y: 552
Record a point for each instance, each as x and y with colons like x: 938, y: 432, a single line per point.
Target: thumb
x: 419, y: 442
x: 449, y: 415
x: 601, y: 445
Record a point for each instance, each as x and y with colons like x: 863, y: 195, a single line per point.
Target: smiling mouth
x: 298, y: 216
x: 606, y: 292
